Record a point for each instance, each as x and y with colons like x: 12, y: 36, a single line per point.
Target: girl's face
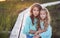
x: 42, y: 14
x: 35, y: 11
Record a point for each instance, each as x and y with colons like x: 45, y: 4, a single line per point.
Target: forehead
x: 42, y: 11
x: 35, y: 8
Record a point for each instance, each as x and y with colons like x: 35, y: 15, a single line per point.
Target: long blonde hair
x: 47, y: 20
x: 48, y: 14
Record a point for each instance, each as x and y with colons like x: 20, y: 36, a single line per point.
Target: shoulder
x: 27, y: 18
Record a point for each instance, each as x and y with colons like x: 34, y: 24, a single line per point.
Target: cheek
x: 35, y: 12
x: 44, y: 15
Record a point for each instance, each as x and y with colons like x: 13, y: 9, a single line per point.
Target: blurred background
x: 9, y: 10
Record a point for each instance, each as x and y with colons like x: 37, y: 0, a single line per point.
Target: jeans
x: 28, y: 36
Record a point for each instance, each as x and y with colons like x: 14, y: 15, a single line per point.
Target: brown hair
x: 31, y: 11
x: 46, y: 20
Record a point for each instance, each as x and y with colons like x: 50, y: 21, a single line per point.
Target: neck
x: 34, y: 17
x: 42, y: 20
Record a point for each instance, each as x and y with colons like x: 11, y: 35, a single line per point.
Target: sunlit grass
x: 2, y: 0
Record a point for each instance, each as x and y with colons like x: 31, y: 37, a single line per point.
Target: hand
x: 40, y: 30
x: 36, y: 33
x: 32, y: 32
x: 37, y: 36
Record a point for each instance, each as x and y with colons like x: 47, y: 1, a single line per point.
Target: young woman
x: 31, y: 21
x: 44, y: 29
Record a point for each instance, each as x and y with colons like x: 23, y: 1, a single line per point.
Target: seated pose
x: 44, y: 29
x: 38, y: 23
x: 30, y: 23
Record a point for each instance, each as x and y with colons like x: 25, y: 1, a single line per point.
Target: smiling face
x: 43, y: 14
x: 35, y: 11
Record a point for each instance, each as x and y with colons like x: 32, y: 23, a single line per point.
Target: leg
x: 28, y: 36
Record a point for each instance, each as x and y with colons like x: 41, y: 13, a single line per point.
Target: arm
x: 45, y: 26
x: 26, y: 29
x: 26, y: 25
x: 32, y: 32
x: 41, y: 30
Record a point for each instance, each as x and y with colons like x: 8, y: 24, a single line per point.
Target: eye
x: 37, y: 10
x: 34, y: 9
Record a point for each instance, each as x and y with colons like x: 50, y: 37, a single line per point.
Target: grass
x: 9, y: 11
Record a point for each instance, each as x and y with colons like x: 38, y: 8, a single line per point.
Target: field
x: 10, y: 9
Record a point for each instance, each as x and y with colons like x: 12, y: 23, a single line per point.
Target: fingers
x: 37, y: 36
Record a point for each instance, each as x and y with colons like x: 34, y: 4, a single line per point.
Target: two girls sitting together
x: 37, y: 24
